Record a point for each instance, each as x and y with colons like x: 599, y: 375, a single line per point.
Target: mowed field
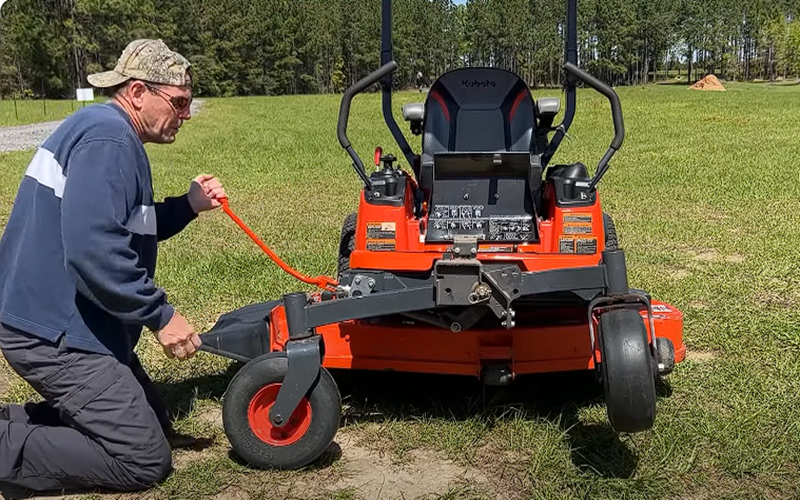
x: 25, y: 111
x: 705, y: 193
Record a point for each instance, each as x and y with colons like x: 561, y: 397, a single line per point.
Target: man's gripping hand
x: 178, y: 338
x: 205, y: 193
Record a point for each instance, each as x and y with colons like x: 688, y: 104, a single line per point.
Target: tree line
x: 270, y: 47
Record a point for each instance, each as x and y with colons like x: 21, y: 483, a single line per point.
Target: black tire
x: 611, y: 232
x: 627, y: 371
x: 666, y: 355
x: 310, y: 431
x: 347, y: 243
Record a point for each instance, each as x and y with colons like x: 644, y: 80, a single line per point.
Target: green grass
x: 34, y: 111
x: 704, y: 193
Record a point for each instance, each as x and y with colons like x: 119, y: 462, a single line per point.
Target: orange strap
x: 323, y: 282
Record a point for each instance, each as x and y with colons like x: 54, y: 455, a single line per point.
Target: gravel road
x: 22, y: 137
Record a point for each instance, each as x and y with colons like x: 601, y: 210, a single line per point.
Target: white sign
x: 1, y: 4
x: 83, y: 94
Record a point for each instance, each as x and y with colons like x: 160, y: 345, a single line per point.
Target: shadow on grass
x: 180, y: 396
x: 331, y: 455
x: 9, y: 492
x: 558, y: 397
x: 378, y: 396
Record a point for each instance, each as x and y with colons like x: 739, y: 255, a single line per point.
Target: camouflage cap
x: 148, y: 60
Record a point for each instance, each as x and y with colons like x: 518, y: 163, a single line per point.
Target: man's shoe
x: 178, y: 440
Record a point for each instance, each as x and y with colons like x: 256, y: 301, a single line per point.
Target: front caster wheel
x: 627, y: 371
x: 245, y: 415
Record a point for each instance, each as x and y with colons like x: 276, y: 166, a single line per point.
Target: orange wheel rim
x: 265, y: 430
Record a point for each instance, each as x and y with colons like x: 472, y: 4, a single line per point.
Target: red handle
x: 324, y: 282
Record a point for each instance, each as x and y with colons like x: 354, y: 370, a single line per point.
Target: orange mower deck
x: 407, y: 346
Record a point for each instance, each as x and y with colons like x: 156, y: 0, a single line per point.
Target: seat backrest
x: 477, y: 109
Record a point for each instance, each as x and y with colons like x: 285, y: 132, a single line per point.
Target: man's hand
x: 205, y: 192
x: 178, y: 338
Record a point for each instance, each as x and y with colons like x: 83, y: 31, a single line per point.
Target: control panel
x: 447, y: 221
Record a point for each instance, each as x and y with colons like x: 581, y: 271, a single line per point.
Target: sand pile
x: 710, y: 82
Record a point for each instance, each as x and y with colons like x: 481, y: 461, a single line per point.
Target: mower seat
x: 479, y: 168
x: 476, y: 110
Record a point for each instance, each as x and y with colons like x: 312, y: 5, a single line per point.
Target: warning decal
x: 577, y: 223
x: 381, y: 230
x: 577, y: 218
x: 381, y: 236
x: 566, y: 245
x: 495, y: 249
x: 586, y: 245
x: 380, y: 245
x: 576, y: 229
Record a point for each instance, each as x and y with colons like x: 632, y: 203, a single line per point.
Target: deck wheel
x: 245, y: 415
x: 627, y: 371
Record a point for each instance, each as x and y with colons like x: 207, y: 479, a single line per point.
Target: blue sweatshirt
x: 78, y: 253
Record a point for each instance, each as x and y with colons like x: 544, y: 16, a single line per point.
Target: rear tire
x: 245, y: 416
x: 611, y: 232
x: 627, y: 371
x: 347, y: 243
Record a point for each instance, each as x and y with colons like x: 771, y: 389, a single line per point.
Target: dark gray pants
x: 96, y: 428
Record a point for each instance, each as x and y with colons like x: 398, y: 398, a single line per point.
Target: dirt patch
x: 698, y: 305
x: 714, y: 484
x: 677, y: 272
x: 233, y: 493
x: 508, y: 471
x: 211, y: 416
x: 700, y: 356
x: 713, y: 255
x: 365, y: 474
x: 705, y: 212
x: 708, y: 255
x: 183, y: 458
x: 421, y: 473
x: 776, y: 299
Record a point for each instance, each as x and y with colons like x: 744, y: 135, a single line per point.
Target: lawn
x: 705, y: 194
x: 25, y: 111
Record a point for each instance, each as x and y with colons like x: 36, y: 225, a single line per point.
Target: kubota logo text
x: 478, y: 84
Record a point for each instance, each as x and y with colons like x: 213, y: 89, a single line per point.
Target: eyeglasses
x: 178, y: 102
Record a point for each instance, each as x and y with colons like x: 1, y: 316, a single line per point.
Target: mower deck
x: 548, y: 340
x: 411, y: 346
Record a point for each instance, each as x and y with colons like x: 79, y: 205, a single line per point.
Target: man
x: 76, y: 266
